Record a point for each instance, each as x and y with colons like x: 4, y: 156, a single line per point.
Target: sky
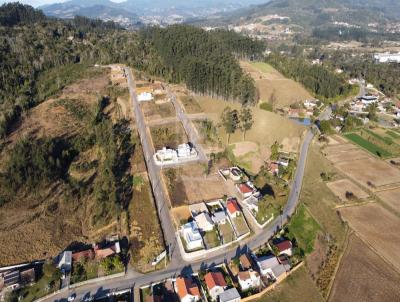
x: 36, y: 3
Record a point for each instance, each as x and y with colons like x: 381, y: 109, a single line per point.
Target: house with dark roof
x: 216, y: 284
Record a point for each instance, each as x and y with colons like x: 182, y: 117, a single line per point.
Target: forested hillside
x: 205, y: 61
x: 319, y: 80
x: 33, y: 48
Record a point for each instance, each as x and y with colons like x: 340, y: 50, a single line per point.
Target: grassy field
x: 211, y: 239
x: 240, y: 225
x: 190, y: 104
x: 393, y: 134
x: 304, y: 228
x: 226, y: 232
x: 170, y: 135
x: 270, y: 82
x: 369, y: 146
x: 145, y: 233
x: 297, y: 287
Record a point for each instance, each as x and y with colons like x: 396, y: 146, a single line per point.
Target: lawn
x: 211, y: 239
x: 304, y: 228
x: 226, y: 233
x: 240, y: 225
x: 263, y: 67
x: 371, y: 147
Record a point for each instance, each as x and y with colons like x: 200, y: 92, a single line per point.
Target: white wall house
x: 387, y: 57
x: 248, y: 280
x: 191, y: 235
x: 204, y: 222
x: 145, y: 97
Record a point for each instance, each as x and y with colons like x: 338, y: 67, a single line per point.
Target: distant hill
x: 320, y: 12
x: 130, y: 10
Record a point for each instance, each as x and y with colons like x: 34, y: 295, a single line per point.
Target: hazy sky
x: 42, y: 2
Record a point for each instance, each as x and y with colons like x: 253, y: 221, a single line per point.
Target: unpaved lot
x: 342, y: 186
x: 364, y: 276
x: 391, y: 197
x: 378, y: 227
x: 189, y: 184
x: 153, y: 111
x: 181, y: 214
x: 370, y: 172
x: 250, y: 156
x: 344, y: 152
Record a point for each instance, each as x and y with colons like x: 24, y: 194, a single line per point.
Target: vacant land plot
x: 378, y: 227
x: 370, y: 172
x: 270, y: 82
x: 190, y: 104
x: 211, y: 239
x: 344, y: 153
x: 249, y: 156
x: 346, y: 190
x: 364, y: 276
x: 240, y: 225
x: 226, y: 233
x: 169, y: 135
x: 145, y: 234
x: 189, y: 184
x: 297, y: 287
x: 369, y: 146
x: 304, y: 228
x: 153, y: 111
x: 268, y: 127
x: 391, y: 197
x: 181, y: 214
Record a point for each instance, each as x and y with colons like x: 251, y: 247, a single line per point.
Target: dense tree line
x: 204, y: 60
x: 33, y: 49
x: 322, y: 82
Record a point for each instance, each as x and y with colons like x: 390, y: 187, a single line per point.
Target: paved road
x: 177, y: 265
x: 154, y: 176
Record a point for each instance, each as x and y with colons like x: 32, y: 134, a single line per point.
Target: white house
x: 216, y: 284
x: 230, y: 295
x: 387, y: 57
x: 204, y: 222
x: 368, y: 99
x: 187, y: 289
x: 219, y: 217
x: 191, y: 235
x: 145, y: 97
x: 269, y: 266
x: 185, y: 151
x: 309, y: 104
x: 165, y: 156
x: 235, y: 173
x: 65, y: 261
x: 248, y: 280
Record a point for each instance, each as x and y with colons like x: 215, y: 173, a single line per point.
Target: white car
x: 71, y: 298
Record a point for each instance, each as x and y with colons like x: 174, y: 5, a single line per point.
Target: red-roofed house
x: 273, y: 168
x: 285, y: 247
x: 102, y: 253
x: 187, y: 290
x: 216, y: 284
x: 233, y: 208
x: 86, y: 254
x: 245, y: 190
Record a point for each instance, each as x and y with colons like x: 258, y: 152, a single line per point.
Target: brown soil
x: 364, y: 276
x: 169, y: 135
x: 378, y: 227
x: 342, y: 186
x: 391, y: 197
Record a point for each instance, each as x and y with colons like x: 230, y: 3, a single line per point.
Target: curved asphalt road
x: 131, y: 279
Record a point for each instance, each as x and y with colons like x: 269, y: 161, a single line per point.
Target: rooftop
x: 229, y: 295
x: 186, y: 286
x: 232, y: 206
x: 213, y: 279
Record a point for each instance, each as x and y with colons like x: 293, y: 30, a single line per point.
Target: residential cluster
x: 241, y: 277
x: 213, y: 224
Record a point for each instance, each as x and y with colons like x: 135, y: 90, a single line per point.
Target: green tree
x: 275, y: 150
x: 246, y: 120
x: 230, y: 121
